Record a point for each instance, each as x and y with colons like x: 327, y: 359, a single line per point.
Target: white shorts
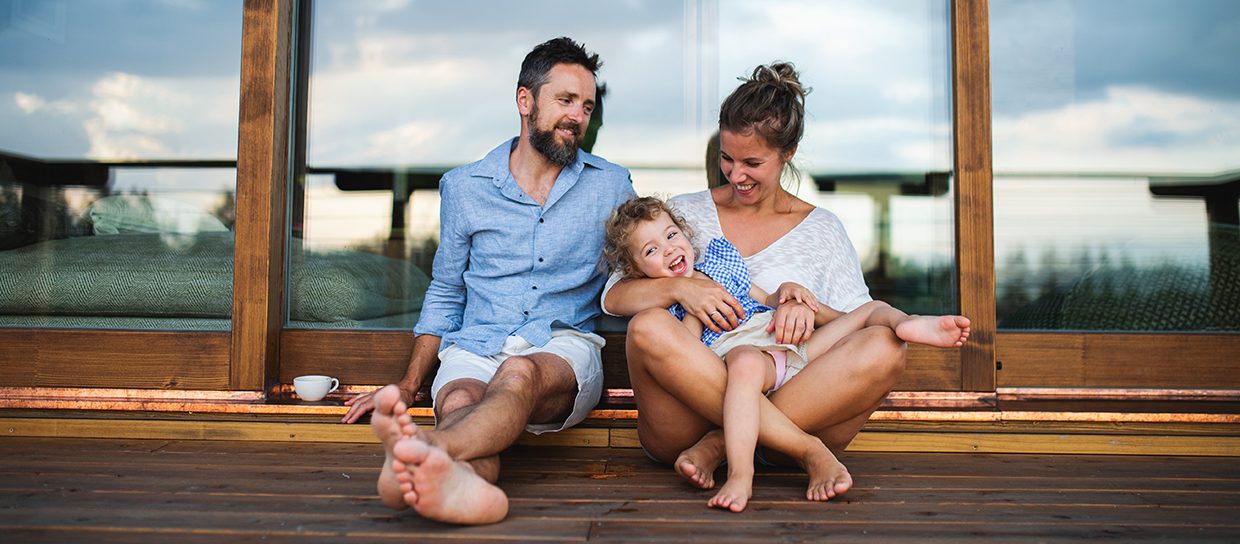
x: 753, y: 333
x: 582, y: 350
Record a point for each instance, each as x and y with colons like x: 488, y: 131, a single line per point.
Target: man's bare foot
x: 446, y: 490
x: 944, y: 331
x: 391, y: 423
x: 698, y: 463
x: 828, y: 477
x: 734, y: 494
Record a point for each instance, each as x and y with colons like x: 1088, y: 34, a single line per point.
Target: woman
x: 678, y: 382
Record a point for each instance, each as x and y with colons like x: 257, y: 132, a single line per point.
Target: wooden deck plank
x: 189, y: 491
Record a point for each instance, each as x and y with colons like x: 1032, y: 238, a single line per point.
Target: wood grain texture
x: 888, y: 437
x: 262, y: 179
x: 379, y: 357
x: 111, y: 358
x: 974, y: 194
x: 1102, y: 360
x: 54, y: 490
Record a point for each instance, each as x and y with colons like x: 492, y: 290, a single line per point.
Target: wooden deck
x: 111, y: 490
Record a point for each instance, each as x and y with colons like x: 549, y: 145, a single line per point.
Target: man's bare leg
x: 446, y: 490
x: 390, y: 422
x: 439, y: 481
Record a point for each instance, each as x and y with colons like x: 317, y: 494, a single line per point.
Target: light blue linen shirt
x: 507, y: 266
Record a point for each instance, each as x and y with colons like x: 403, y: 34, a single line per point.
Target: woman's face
x: 752, y: 167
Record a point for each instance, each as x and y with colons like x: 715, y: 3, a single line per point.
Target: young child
x: 645, y: 238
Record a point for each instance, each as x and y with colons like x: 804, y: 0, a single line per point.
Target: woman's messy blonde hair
x: 624, y: 220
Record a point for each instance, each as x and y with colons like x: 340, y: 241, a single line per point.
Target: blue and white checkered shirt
x: 724, y: 264
x: 509, y: 267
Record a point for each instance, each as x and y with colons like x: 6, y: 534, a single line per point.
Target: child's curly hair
x: 620, y: 226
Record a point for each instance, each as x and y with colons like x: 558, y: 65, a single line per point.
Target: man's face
x: 560, y: 113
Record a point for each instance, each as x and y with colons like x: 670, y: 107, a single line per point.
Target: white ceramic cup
x: 314, y: 387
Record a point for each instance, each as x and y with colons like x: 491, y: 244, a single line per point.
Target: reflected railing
x: 1117, y: 251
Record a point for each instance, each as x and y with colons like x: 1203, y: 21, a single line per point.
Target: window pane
x: 1116, y: 138
x: 118, y: 139
x: 400, y: 93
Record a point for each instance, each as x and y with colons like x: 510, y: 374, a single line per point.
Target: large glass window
x: 401, y: 92
x: 1117, y: 164
x: 118, y: 143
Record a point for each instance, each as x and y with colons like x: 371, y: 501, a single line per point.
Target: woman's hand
x: 792, y: 323
x: 792, y: 291
x: 710, y: 303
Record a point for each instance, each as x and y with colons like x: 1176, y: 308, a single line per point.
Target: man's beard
x: 546, y: 142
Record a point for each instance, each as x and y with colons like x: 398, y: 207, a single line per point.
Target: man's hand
x: 361, y: 404
x: 710, y: 303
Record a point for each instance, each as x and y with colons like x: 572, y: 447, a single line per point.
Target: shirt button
x: 540, y: 259
x: 534, y: 287
x: 527, y: 312
x: 540, y: 220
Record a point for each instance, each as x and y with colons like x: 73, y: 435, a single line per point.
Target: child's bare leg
x: 944, y: 331
x: 390, y: 422
x: 750, y: 371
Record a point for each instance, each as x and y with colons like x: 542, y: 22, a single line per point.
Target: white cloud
x: 32, y: 103
x: 1129, y: 129
x: 127, y: 116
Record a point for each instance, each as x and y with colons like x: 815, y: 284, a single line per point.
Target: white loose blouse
x: 816, y: 254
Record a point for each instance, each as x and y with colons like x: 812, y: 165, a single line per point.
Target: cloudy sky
x: 1138, y: 86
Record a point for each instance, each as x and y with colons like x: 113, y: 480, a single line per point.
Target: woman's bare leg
x: 679, y: 385
x: 859, y: 370
x: 673, y: 376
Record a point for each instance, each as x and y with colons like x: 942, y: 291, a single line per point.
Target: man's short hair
x: 562, y: 50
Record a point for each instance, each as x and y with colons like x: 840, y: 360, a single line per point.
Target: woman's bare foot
x: 944, y: 331
x: 828, y: 477
x: 698, y: 463
x: 734, y: 494
x: 446, y: 490
x: 390, y: 422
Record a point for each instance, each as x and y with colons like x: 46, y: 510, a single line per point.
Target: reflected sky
x: 1145, y: 87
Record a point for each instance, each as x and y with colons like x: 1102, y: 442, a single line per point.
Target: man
x: 510, y: 310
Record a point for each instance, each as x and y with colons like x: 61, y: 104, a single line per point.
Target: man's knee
x: 459, y: 394
x: 517, y: 373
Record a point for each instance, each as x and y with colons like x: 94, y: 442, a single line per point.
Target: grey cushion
x: 161, y: 275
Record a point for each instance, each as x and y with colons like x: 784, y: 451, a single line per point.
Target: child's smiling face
x: 660, y: 249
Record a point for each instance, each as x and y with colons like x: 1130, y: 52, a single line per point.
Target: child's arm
x: 823, y: 314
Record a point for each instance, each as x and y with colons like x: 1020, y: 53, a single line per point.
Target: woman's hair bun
x: 781, y: 74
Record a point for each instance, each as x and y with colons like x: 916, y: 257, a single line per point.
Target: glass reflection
x: 401, y: 92
x: 118, y: 131
x: 1114, y: 130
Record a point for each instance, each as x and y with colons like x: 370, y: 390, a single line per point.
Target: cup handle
x: 335, y: 385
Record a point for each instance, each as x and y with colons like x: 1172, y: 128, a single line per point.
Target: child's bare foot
x: 734, y: 494
x: 390, y: 422
x: 828, y: 477
x: 698, y: 463
x: 446, y: 490
x: 944, y: 331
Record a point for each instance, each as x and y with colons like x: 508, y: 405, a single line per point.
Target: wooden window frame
x: 259, y: 354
